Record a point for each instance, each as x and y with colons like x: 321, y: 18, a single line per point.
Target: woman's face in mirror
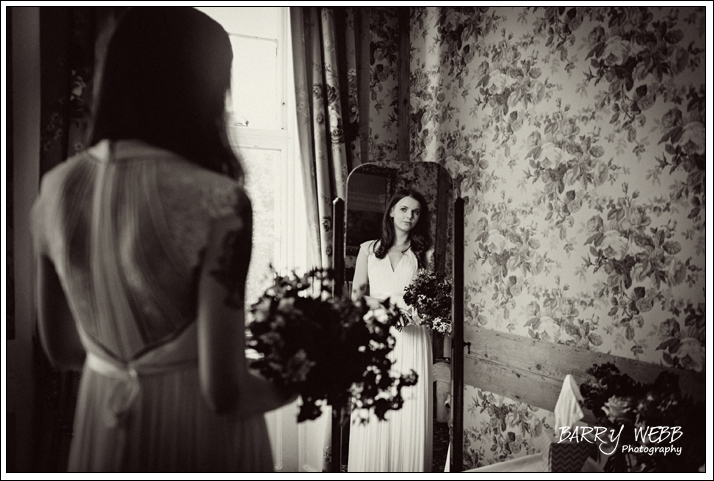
x: 405, y: 214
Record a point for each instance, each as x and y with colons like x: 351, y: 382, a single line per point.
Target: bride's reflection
x: 397, y: 222
x: 385, y: 266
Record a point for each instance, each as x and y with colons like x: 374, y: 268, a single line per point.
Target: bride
x: 384, y: 268
x: 143, y: 242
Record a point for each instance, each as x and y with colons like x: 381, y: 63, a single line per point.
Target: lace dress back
x: 125, y: 225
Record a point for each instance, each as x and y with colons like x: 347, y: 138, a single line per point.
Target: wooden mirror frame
x: 457, y: 342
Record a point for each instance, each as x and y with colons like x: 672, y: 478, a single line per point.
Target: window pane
x: 254, y: 86
x: 253, y: 21
x: 255, y: 33
x: 262, y: 168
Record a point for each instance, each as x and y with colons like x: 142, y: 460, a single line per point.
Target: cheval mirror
x: 369, y: 188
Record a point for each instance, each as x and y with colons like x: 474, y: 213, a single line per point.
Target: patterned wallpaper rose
x: 577, y: 138
x: 383, y: 83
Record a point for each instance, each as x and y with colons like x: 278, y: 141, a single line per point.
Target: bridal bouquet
x: 328, y: 350
x: 430, y: 295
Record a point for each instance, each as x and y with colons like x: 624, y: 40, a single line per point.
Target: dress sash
x: 177, y: 355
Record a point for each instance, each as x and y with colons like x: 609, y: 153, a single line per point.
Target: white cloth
x: 124, y: 227
x: 568, y: 413
x: 567, y: 408
x: 404, y: 441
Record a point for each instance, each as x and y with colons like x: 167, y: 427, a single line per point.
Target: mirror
x: 369, y: 189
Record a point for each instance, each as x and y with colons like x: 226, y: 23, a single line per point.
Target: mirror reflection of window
x: 368, y: 198
x: 369, y: 192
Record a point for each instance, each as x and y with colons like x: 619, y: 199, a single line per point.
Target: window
x: 263, y: 134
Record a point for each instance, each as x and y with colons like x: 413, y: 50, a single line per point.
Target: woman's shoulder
x: 63, y: 190
x: 70, y: 179
x: 215, y: 194
x: 369, y: 246
x: 66, y: 170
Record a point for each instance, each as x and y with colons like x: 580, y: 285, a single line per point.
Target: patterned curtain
x: 325, y: 63
x: 72, y: 40
x: 325, y: 68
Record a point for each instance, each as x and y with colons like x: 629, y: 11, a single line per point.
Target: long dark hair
x: 419, y: 237
x: 165, y: 79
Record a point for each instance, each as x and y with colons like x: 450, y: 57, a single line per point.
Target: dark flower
x: 332, y: 96
x: 619, y: 409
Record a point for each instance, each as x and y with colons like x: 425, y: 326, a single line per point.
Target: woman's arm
x: 55, y: 322
x: 226, y: 382
x: 360, y: 283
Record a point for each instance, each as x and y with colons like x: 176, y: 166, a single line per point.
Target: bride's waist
x: 178, y: 354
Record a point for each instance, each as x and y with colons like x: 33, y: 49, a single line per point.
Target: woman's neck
x: 401, y: 240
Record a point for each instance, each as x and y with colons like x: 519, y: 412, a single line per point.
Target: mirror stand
x: 338, y: 264
x: 457, y: 342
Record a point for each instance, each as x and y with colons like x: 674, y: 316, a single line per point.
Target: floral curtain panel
x: 325, y: 63
x: 325, y: 68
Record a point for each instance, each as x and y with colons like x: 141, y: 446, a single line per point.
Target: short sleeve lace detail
x: 220, y: 200
x: 191, y: 201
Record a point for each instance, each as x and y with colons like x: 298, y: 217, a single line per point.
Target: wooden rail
x: 532, y: 371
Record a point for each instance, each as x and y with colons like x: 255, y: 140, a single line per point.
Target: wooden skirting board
x: 532, y: 371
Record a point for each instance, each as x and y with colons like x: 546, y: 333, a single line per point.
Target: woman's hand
x: 262, y: 396
x: 373, y: 302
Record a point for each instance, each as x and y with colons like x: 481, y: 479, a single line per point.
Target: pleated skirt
x: 402, y: 443
x: 168, y: 428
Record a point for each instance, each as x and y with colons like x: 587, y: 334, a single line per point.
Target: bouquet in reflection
x: 326, y: 349
x: 429, y: 294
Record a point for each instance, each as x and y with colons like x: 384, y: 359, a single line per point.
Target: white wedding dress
x: 125, y: 227
x: 402, y: 443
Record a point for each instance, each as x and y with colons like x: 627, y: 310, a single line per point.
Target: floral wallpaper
x: 383, y: 83
x: 577, y: 138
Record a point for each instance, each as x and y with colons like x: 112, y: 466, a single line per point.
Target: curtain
x: 325, y: 69
x: 72, y: 40
x: 325, y: 59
